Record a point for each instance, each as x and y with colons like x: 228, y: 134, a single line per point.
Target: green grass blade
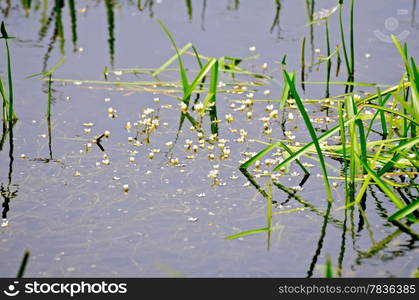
x: 352, y: 41
x: 171, y: 60
x: 12, y: 117
x: 269, y: 207
x: 408, y: 209
x: 197, y: 57
x: 181, y: 67
x: 383, y: 186
x: 5, y: 101
x: 49, y: 99
x: 249, y: 232
x: 343, y: 143
x: 105, y: 73
x: 362, y: 139
x: 213, y: 99
x: 303, y: 63
x: 391, y: 111
x: 381, y: 102
x: 290, y: 152
x: 313, y: 134
x: 411, y: 74
x: 405, y: 146
x: 405, y: 105
x: 365, y: 84
x: 23, y: 265
x: 329, y: 62
x: 382, y: 114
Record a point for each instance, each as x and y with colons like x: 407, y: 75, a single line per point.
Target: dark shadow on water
x: 301, y: 184
x: 5, y: 10
x: 111, y: 26
x: 275, y: 22
x: 58, y: 33
x: 8, y: 190
x: 204, y: 8
x: 320, y: 242
x: 73, y: 17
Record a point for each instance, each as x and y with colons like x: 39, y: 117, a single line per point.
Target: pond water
x: 66, y: 204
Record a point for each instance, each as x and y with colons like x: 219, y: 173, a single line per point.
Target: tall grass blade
x: 362, y: 139
x: 286, y: 90
x: 189, y: 6
x: 11, y: 114
x: 352, y: 40
x: 198, y: 79
x: 49, y: 99
x: 313, y: 134
x: 259, y: 155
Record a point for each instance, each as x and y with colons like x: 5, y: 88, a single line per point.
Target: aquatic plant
x: 8, y: 113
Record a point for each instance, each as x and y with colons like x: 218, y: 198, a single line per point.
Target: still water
x: 66, y: 204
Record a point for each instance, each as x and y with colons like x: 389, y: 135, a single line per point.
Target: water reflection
x: 54, y: 16
x: 233, y: 5
x: 8, y: 190
x: 6, y: 9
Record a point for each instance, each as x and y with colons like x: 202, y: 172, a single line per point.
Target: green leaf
x: 244, y: 233
x: 408, y: 209
x: 3, y: 31
x: 384, y: 187
x: 182, y: 69
x: 312, y: 132
x: 259, y: 155
x: 171, y: 60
